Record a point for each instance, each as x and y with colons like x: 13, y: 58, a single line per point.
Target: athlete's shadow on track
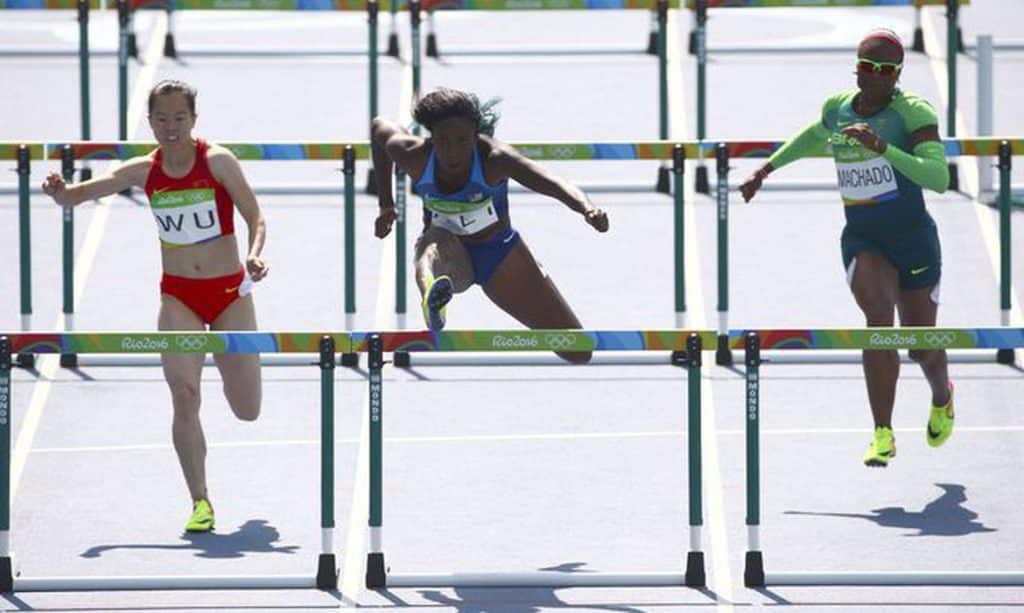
x: 521, y: 600
x: 254, y: 536
x: 944, y: 516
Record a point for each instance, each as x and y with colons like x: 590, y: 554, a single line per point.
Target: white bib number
x: 186, y: 217
x: 466, y: 222
x: 867, y: 182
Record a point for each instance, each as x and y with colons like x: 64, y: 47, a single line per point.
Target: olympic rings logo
x: 942, y: 339
x: 560, y: 341
x: 191, y: 343
x: 564, y: 152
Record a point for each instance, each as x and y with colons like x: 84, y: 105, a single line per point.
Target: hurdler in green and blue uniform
x: 886, y: 148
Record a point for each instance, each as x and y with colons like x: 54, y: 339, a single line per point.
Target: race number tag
x: 462, y: 218
x: 866, y: 181
x: 186, y: 217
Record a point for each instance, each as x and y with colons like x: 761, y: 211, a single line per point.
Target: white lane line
x: 354, y: 566
x: 496, y: 438
x: 720, y: 580
x: 986, y: 218
x: 49, y: 365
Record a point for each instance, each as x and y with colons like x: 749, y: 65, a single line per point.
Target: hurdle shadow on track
x: 254, y: 536
x: 944, y: 516
x: 530, y: 600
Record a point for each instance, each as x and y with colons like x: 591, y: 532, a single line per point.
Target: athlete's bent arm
x: 389, y: 144
x: 130, y: 174
x: 535, y: 177
x: 226, y: 169
x: 927, y: 166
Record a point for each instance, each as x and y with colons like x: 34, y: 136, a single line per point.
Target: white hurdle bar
x: 546, y: 579
x: 897, y: 578
x: 183, y: 582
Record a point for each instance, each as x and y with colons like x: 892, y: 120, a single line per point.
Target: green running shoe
x: 940, y: 422
x: 202, y: 517
x: 882, y: 448
x: 439, y: 293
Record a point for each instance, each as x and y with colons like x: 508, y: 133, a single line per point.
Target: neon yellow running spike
x: 438, y: 294
x: 940, y: 422
x: 882, y: 448
x: 202, y: 517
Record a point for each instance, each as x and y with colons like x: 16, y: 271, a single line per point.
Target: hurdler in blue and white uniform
x: 462, y: 174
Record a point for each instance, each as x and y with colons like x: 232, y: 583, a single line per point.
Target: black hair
x: 444, y: 103
x: 172, y: 86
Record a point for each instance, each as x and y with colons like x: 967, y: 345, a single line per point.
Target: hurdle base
x: 663, y: 184
x: 753, y: 569
x: 69, y: 360
x: 954, y: 178
x: 133, y: 46
x: 723, y: 355
x: 702, y: 186
x: 170, y: 49
x: 25, y: 360
x: 1003, y: 356
x: 371, y: 182
x: 691, y: 46
x: 393, y: 46
x: 161, y: 583
x: 327, y: 572
x: 432, y: 45
x: 695, y: 575
x: 918, y: 40
x: 401, y: 359
x: 652, y: 43
x: 351, y: 360
x: 6, y: 575
x: 376, y: 572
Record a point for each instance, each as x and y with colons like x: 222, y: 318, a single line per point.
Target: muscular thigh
x: 451, y: 258
x: 525, y: 292
x: 240, y: 315
x: 180, y: 368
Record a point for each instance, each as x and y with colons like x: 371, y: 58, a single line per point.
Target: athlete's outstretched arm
x: 535, y: 177
x: 130, y: 174
x: 809, y: 141
x: 226, y: 169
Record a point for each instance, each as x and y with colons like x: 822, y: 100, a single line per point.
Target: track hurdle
x: 375, y: 344
x: 325, y: 345
x: 724, y: 151
x: 698, y: 46
x: 752, y: 342
x: 432, y: 49
x: 126, y: 8
x: 83, y: 7
x: 69, y: 153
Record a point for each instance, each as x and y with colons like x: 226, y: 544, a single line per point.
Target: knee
x: 185, y: 394
x: 879, y: 313
x: 923, y: 356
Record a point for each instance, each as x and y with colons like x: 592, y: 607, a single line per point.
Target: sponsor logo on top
x: 516, y: 341
x: 145, y: 343
x: 892, y: 340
